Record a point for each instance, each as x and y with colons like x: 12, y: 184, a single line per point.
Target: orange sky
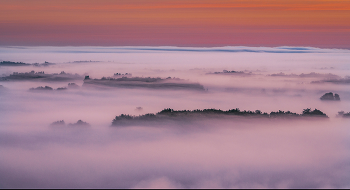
x: 320, y: 23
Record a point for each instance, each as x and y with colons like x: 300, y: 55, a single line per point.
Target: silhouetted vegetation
x: 283, y: 113
x: 41, y: 76
x: 345, y: 80
x: 45, y: 64
x: 72, y: 86
x: 139, y: 108
x: 307, y: 75
x: 42, y: 88
x: 10, y: 63
x: 58, y: 123
x: 85, y: 61
x: 330, y: 96
x: 47, y: 88
x: 143, y: 82
x: 226, y: 72
x: 122, y: 75
x: 79, y: 123
x: 315, y: 112
x: 181, y: 114
x: 343, y: 114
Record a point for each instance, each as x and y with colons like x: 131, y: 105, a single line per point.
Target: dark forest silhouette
x: 330, y: 96
x: 179, y: 114
x: 42, y: 88
x: 32, y: 75
x: 11, y: 63
x: 143, y: 82
x: 61, y: 123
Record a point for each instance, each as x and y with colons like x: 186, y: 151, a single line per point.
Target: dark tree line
x: 170, y: 113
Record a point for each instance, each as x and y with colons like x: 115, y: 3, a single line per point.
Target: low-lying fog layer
x: 85, y: 151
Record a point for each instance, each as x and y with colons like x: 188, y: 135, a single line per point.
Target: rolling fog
x: 208, y: 153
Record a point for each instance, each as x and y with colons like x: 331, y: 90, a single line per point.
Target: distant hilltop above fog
x: 343, y: 114
x: 119, y: 75
x: 32, y: 75
x: 48, y: 88
x: 143, y: 82
x: 61, y: 123
x: 11, y: 63
x: 42, y: 88
x: 329, y: 96
x: 328, y: 76
x: 170, y: 114
x: 226, y: 72
x: 345, y: 80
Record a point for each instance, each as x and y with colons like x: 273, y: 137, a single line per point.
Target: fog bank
x: 211, y: 152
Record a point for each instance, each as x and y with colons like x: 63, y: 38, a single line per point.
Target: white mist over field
x: 206, y: 153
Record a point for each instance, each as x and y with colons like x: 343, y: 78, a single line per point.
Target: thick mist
x: 204, y: 153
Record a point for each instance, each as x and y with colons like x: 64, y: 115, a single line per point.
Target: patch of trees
x: 122, y: 75
x: 225, y: 72
x: 307, y: 75
x: 178, y: 114
x: 45, y: 64
x: 47, y: 88
x: 32, y: 75
x: 137, y: 79
x: 143, y: 82
x: 42, y: 88
x: 345, y: 80
x: 343, y: 114
x: 10, y: 63
x: 237, y: 111
x: 79, y: 123
x: 330, y: 96
x: 58, y: 123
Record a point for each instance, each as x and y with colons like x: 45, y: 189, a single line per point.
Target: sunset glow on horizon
x: 175, y: 94
x: 176, y: 23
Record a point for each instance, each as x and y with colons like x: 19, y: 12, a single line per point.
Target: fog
x: 204, y: 153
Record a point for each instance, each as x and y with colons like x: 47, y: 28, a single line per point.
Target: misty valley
x: 176, y: 117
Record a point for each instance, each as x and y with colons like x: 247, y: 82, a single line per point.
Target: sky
x: 316, y: 23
